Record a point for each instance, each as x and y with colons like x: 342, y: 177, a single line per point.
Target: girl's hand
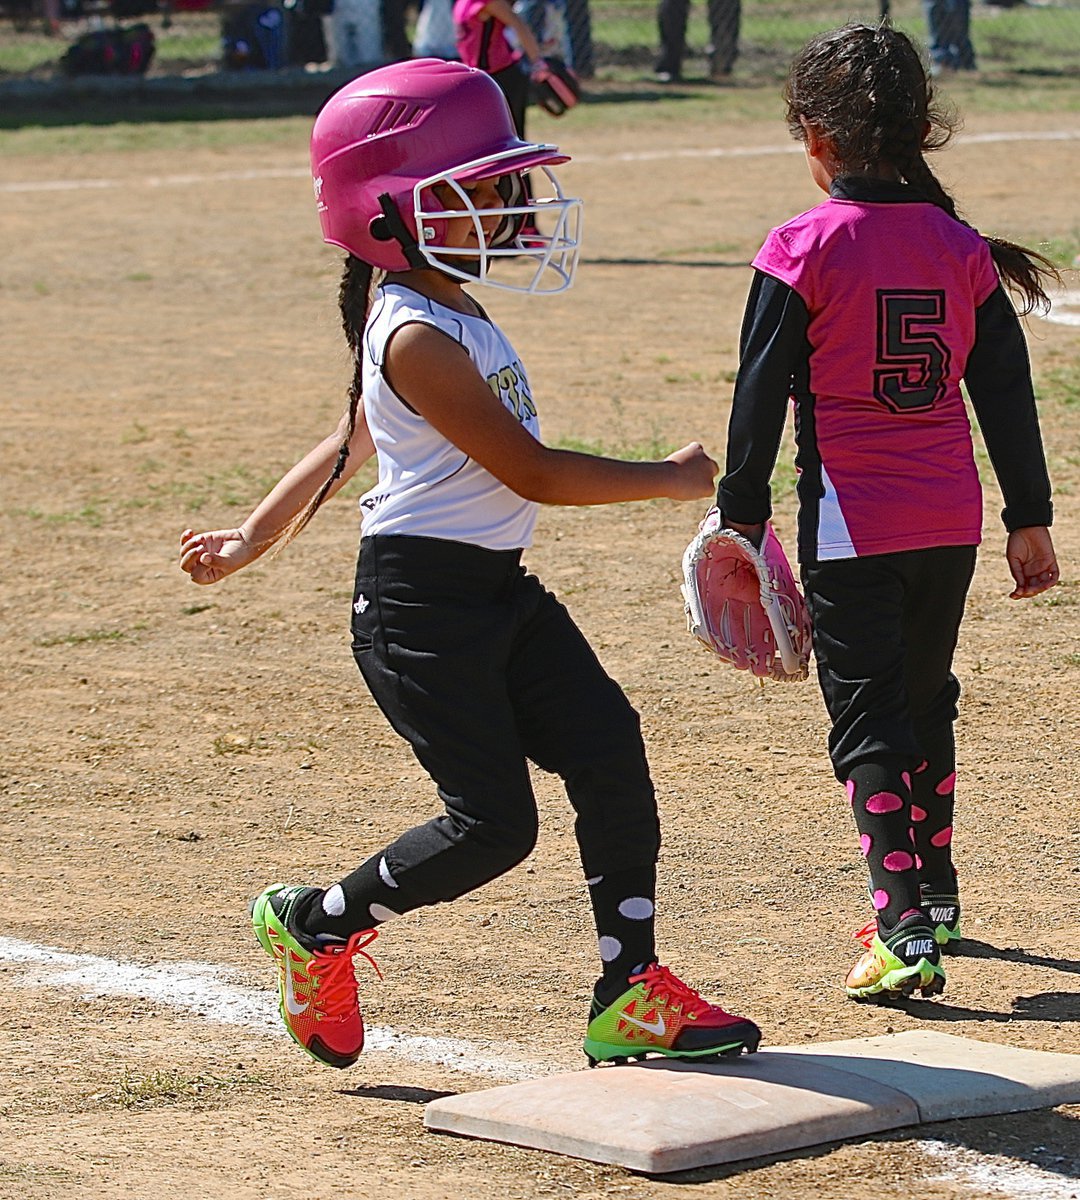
x: 695, y: 474
x: 753, y: 533
x: 1032, y: 561
x: 209, y: 557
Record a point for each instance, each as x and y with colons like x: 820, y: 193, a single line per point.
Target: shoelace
x: 332, y: 971
x: 867, y: 934
x: 869, y: 931
x: 661, y: 984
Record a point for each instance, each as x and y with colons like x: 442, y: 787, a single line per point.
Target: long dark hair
x: 358, y: 283
x: 867, y: 89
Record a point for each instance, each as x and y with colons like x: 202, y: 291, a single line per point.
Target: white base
x: 664, y: 1115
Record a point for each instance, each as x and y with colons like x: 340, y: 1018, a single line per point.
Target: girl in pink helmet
x: 418, y: 177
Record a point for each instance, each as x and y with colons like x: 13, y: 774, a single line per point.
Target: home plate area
x: 664, y: 1115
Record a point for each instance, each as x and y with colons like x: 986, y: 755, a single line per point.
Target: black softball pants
x: 481, y: 669
x: 885, y: 629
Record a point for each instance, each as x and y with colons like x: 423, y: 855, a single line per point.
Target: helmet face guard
x: 384, y: 142
x: 542, y: 263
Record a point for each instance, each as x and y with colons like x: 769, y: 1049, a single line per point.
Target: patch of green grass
x: 235, y: 487
x: 650, y: 451
x: 1062, y: 596
x: 169, y: 1087
x: 81, y: 639
x: 28, y: 1173
x: 785, y: 479
x: 90, y: 514
x: 137, y: 434
x: 177, y: 136
x: 1061, y: 251
x: 1060, y: 385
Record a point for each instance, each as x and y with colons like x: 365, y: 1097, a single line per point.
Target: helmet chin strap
x: 391, y: 226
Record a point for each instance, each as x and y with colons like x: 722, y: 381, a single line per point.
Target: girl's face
x: 461, y: 233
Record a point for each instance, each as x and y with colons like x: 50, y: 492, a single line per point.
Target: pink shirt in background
x: 481, y: 41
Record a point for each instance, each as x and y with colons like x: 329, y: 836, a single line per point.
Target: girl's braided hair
x: 358, y: 283
x: 866, y: 89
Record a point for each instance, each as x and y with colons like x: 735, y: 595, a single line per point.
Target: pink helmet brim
x: 531, y: 156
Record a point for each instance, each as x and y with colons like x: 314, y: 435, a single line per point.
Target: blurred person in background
x: 724, y: 20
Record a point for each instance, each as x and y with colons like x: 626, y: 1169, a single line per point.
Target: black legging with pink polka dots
x: 885, y: 629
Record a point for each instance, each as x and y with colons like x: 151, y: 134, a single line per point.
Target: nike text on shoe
x: 897, y: 965
x: 316, y: 984
x: 942, y: 912
x: 659, y: 1014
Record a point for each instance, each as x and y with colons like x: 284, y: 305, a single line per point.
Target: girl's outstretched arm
x: 1032, y: 561
x: 436, y: 377
x: 208, y: 557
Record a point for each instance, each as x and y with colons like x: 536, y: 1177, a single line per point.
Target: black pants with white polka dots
x: 483, y: 671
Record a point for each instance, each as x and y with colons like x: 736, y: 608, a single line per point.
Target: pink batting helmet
x: 384, y: 137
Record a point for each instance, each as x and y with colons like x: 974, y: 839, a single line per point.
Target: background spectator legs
x: 671, y: 18
x: 948, y: 23
x: 396, y: 45
x: 724, y: 19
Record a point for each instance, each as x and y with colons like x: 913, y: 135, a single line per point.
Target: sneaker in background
x: 905, y: 960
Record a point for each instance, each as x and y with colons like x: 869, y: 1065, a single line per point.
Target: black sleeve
x: 998, y: 379
x: 771, y: 348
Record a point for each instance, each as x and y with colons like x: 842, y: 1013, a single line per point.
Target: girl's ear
x: 815, y: 141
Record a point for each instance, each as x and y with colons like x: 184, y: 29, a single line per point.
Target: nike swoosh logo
x: 290, y: 995
x: 657, y: 1027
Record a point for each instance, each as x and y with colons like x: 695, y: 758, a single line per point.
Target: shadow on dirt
x: 1056, y: 1007
x: 389, y: 1091
x: 972, y: 949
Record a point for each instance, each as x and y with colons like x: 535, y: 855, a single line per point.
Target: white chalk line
x: 1064, y: 309
x: 995, y: 1176
x: 205, y: 991
x: 629, y: 156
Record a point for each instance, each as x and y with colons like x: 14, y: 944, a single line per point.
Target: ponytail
x: 867, y: 88
x: 1023, y: 270
x: 358, y: 283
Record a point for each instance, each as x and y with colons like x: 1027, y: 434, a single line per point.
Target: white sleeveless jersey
x: 427, y: 487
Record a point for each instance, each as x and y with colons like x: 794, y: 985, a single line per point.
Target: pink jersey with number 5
x: 891, y: 291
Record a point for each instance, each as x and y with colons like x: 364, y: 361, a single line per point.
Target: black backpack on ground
x: 110, y: 52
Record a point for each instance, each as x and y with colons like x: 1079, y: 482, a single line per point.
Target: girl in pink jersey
x: 480, y: 29
x: 868, y: 311
x: 418, y: 178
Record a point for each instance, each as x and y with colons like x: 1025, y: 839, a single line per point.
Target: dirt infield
x: 169, y: 343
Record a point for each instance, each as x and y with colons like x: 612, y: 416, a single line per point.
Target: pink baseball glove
x: 743, y: 603
x: 554, y: 86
